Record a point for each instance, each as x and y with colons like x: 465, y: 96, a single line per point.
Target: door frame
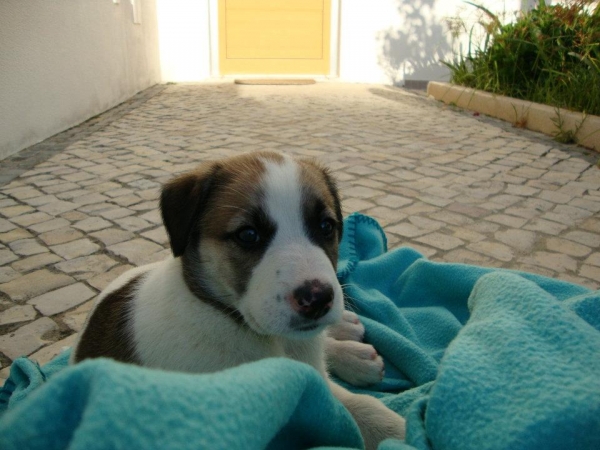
x: 334, y: 40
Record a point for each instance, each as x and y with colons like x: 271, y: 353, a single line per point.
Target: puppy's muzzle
x: 313, y: 299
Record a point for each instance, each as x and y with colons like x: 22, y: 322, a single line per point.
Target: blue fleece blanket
x: 475, y: 359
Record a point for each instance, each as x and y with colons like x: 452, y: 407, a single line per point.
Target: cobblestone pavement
x: 456, y: 187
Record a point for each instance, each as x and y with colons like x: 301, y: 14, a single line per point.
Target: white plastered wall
x: 184, y: 29
x: 391, y: 41
x: 64, y: 61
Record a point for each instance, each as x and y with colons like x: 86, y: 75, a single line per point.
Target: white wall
x: 64, y: 61
x: 184, y: 33
x: 390, y: 41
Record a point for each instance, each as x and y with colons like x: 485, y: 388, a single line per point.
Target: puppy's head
x: 258, y: 238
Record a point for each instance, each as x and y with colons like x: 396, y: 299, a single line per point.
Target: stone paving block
x: 553, y: 261
x: 92, y: 224
x: 16, y: 314
x: 30, y: 219
x: 5, y: 225
x: 58, y: 207
x: 35, y: 262
x: 62, y: 299
x: 464, y: 256
x: 90, y: 199
x: 353, y: 205
x: 155, y: 257
x: 49, y: 352
x: 14, y: 211
x: 505, y: 219
x: 158, y: 235
x: 60, y: 236
x: 116, y: 213
x: 425, y: 223
x: 362, y: 192
x: 585, y: 203
x: 154, y: 216
x: 74, y: 249
x: 33, y: 284
x: 7, y: 202
x: 106, y: 187
x: 520, y: 240
x: 27, y: 247
x: 145, y: 206
x: 76, y: 318
x: 118, y: 192
x: 468, y: 210
x: 27, y: 339
x: 110, y: 236
x: 585, y: 238
x: 555, y: 197
x: 524, y: 191
x: 101, y: 281
x: 71, y: 195
x: 7, y: 274
x: 567, y: 247
x: 467, y: 235
x: 127, y: 200
x: 50, y: 225
x: 593, y: 259
x: 6, y: 256
x: 496, y: 250
x: 73, y: 216
x: 132, y: 223
x: 92, y: 263
x: 14, y: 235
x: 440, y: 241
x: 394, y: 201
x: 385, y: 216
x: 407, y: 230
x: 23, y: 193
x: 95, y: 209
x: 135, y: 250
x: 591, y: 272
x: 545, y: 226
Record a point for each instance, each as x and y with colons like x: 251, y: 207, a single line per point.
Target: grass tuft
x: 550, y: 54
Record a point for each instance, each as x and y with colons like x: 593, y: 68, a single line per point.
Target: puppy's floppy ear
x: 181, y: 203
x: 331, y: 184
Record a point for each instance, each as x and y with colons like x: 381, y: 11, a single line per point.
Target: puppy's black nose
x: 313, y: 299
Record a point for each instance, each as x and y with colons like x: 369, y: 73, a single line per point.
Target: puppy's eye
x: 247, y: 236
x: 327, y: 227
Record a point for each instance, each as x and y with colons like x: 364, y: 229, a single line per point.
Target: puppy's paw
x: 354, y: 362
x: 377, y: 422
x: 349, y: 329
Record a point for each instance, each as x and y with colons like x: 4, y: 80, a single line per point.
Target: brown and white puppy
x: 255, y: 244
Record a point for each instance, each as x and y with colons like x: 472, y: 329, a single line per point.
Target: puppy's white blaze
x: 290, y: 260
x: 283, y: 199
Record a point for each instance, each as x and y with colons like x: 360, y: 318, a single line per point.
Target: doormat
x: 282, y: 81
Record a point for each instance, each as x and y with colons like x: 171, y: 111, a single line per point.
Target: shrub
x: 550, y: 55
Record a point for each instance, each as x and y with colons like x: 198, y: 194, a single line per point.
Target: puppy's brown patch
x: 320, y: 199
x: 108, y: 333
x: 203, y: 208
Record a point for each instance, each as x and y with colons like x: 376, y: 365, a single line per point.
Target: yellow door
x: 274, y: 36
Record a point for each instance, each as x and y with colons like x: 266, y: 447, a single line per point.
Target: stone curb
x: 530, y: 115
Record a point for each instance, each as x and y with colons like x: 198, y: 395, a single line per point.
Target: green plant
x: 566, y: 135
x: 550, y: 55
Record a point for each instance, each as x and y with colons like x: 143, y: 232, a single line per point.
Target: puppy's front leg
x: 375, y: 420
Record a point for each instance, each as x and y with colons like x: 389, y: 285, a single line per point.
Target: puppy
x: 255, y: 244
